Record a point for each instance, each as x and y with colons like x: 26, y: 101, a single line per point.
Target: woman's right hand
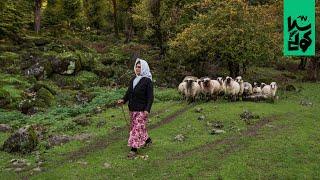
x: 120, y: 101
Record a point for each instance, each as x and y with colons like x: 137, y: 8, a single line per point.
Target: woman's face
x: 138, y: 69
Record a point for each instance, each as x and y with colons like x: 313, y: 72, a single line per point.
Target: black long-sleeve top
x: 141, y: 97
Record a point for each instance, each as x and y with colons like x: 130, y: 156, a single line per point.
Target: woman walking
x: 140, y: 97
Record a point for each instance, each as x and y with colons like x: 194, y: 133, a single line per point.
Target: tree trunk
x: 314, y: 68
x: 234, y: 68
x: 303, y: 63
x: 115, y: 18
x: 244, y: 66
x: 129, y: 23
x: 37, y: 15
x: 155, y: 11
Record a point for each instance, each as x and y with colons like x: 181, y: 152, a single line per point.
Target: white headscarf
x: 145, y: 71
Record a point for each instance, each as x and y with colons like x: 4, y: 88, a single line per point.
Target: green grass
x: 285, y: 148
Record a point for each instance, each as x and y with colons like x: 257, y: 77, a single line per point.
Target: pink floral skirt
x: 138, y: 129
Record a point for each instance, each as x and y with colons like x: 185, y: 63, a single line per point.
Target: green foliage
x: 9, y: 61
x: 5, y: 98
x: 117, y: 55
x: 87, y: 59
x: 68, y: 13
x: 14, y: 117
x: 67, y: 81
x: 97, y: 12
x: 14, y: 85
x: 14, y: 16
x: 174, y: 17
x: 8, y: 57
x: 53, y: 13
x: 44, y: 98
x: 88, y: 79
x: 49, y: 85
x: 229, y: 32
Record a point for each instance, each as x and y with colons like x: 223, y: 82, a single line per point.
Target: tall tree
x: 230, y: 33
x: 155, y: 6
x: 129, y: 21
x: 37, y: 15
x: 303, y: 63
x: 115, y: 17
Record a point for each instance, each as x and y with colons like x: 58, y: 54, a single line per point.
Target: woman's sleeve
x: 149, y: 96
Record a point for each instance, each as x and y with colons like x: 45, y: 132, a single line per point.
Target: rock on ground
x: 24, y: 140
x: 57, y: 140
x: 5, y: 128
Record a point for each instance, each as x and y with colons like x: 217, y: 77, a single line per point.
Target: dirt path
x: 230, y: 142
x: 120, y: 134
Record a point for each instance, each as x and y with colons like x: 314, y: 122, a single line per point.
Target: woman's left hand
x: 146, y: 113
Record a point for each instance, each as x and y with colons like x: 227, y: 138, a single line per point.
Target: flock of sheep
x: 206, y: 88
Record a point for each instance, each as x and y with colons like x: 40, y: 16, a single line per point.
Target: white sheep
x: 222, y: 87
x: 190, y: 78
x: 240, y: 81
x: 182, y: 89
x: 216, y: 89
x: 256, y: 88
x: 232, y: 88
x: 192, y: 90
x: 270, y: 90
x: 206, y: 86
x: 199, y: 81
x: 247, y: 89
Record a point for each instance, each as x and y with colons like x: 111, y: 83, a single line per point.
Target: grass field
x: 283, y: 143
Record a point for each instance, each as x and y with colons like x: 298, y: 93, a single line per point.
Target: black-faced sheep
x: 247, y: 89
x: 222, y: 87
x: 240, y: 81
x: 232, y: 88
x: 189, y: 88
x: 270, y: 90
x: 216, y: 89
x: 182, y: 88
x: 206, y: 87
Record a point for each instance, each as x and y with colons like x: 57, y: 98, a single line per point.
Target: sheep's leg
x: 191, y: 99
x: 228, y: 97
x: 208, y: 97
x: 214, y: 98
x: 234, y: 98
